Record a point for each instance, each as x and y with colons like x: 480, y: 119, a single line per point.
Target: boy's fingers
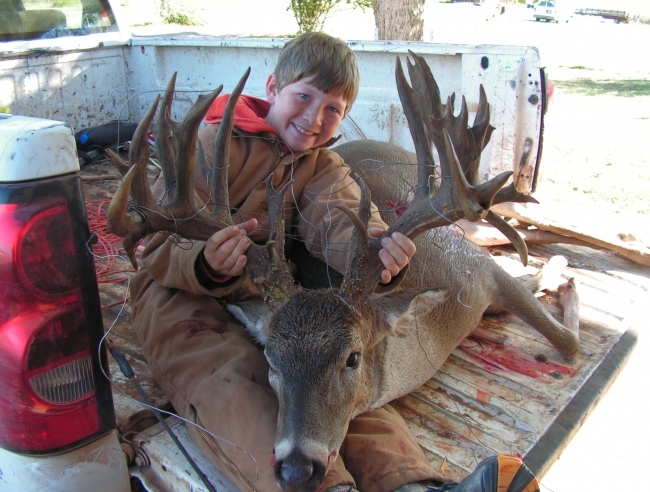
x: 218, y: 238
x: 405, y: 243
x: 231, y: 251
x: 389, y: 262
x: 241, y: 247
x: 397, y: 255
x: 249, y: 226
x: 223, y: 251
x: 239, y: 266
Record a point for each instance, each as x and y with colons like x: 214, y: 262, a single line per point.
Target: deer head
x: 321, y: 346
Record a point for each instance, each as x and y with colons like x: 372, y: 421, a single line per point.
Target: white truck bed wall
x: 89, y: 88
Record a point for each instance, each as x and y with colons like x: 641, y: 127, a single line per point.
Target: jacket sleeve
x: 326, y: 229
x: 172, y: 263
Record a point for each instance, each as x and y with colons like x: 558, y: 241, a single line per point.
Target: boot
x: 501, y: 473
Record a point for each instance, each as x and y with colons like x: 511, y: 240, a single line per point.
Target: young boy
x: 204, y: 360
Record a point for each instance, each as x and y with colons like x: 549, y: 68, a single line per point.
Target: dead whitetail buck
x: 336, y: 353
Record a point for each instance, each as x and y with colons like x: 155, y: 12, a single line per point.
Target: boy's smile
x: 304, y: 116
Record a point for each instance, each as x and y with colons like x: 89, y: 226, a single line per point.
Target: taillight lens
x: 52, y: 392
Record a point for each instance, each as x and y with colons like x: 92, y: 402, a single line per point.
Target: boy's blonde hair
x: 327, y: 61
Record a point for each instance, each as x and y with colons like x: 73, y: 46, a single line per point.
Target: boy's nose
x: 314, y: 116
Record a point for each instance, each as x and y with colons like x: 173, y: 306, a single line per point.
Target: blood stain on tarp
x: 494, y: 357
x: 482, y: 396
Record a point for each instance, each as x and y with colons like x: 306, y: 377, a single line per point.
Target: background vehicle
x: 554, y: 11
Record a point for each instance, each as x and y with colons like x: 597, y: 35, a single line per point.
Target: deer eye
x: 353, y: 360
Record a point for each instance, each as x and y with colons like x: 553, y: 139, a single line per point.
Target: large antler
x: 467, y: 142
x: 176, y: 146
x: 458, y: 194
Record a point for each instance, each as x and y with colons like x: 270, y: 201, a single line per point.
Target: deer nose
x: 296, y: 474
x: 299, y: 472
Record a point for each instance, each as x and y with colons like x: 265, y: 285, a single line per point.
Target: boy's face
x: 303, y: 115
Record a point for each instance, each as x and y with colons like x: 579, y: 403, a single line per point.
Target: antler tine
x: 128, y: 225
x: 363, y: 271
x: 481, y: 129
x: 275, y: 244
x: 510, y: 233
x: 186, y: 136
x: 426, y: 92
x: 221, y: 156
x: 164, y: 144
x: 425, y: 86
x: 459, y: 123
x: 511, y: 194
x: 122, y: 167
x: 426, y: 163
x: 139, y: 157
x: 120, y: 222
x: 461, y: 139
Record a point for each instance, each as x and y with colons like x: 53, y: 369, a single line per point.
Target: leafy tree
x: 311, y: 14
x: 178, y: 12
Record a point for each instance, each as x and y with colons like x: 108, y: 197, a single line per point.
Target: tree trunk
x: 399, y: 20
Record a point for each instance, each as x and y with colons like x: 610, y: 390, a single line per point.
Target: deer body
x: 403, y: 337
x: 338, y: 352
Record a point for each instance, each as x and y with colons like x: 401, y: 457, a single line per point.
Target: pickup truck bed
x: 503, y: 390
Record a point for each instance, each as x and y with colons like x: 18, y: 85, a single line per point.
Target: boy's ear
x: 271, y: 89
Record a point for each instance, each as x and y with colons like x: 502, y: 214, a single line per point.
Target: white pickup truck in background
x: 62, y: 428
x: 554, y: 10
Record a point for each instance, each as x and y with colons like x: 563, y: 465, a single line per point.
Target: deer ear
x: 255, y: 315
x: 398, y: 311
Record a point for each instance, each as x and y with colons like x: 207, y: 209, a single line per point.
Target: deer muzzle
x: 298, y: 472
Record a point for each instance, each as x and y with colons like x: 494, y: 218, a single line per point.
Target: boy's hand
x: 224, y: 250
x: 396, y: 254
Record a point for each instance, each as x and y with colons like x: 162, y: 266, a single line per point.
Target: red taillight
x: 44, y: 251
x: 52, y: 394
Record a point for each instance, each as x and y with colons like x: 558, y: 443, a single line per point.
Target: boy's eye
x: 303, y: 96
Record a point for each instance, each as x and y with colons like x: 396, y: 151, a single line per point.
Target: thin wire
x: 326, y: 222
x: 99, y: 351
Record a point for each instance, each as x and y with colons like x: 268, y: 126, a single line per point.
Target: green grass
x: 180, y: 19
x: 590, y: 87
